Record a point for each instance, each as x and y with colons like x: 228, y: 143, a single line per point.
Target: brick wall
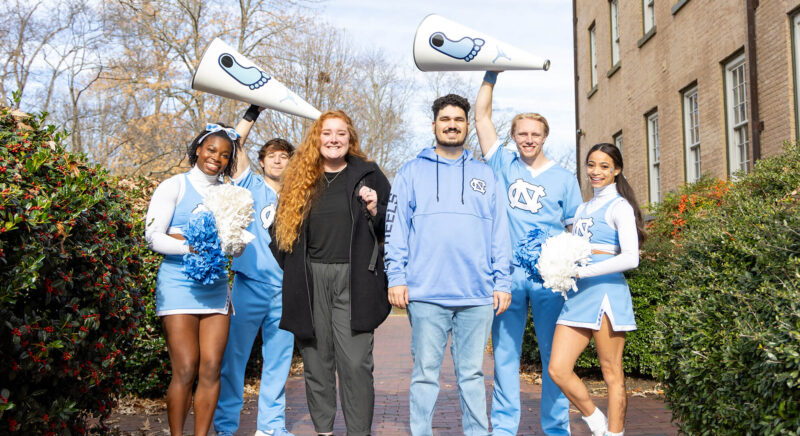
x: 688, y: 47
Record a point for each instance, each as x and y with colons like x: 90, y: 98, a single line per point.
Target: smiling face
x: 529, y: 136
x: 274, y: 163
x: 334, y: 141
x: 451, y: 126
x: 213, y: 155
x: 600, y: 169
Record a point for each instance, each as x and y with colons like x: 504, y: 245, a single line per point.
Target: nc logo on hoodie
x: 267, y: 215
x: 525, y: 196
x: 478, y: 185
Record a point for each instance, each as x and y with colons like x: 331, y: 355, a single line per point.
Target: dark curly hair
x: 450, y: 100
x: 278, y: 144
x: 191, y: 152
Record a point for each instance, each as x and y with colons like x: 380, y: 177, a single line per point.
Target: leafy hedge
x: 69, y: 282
x: 731, y: 330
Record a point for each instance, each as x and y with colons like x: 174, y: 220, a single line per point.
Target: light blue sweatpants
x: 257, y: 305
x: 507, y: 332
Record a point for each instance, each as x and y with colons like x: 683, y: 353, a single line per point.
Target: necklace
x: 329, y: 181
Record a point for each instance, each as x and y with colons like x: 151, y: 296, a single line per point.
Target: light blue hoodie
x: 447, y: 234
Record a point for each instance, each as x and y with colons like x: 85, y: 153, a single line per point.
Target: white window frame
x: 593, y: 54
x: 648, y: 15
x: 736, y: 113
x: 614, y: 11
x: 618, y: 140
x: 691, y: 134
x: 654, y: 157
x: 796, y: 60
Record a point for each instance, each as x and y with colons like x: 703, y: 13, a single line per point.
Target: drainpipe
x: 575, y: 66
x: 757, y: 125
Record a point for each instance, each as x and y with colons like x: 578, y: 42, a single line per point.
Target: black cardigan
x: 369, y: 302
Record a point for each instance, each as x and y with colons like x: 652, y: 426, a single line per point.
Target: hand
x: 398, y: 296
x: 501, y: 301
x: 370, y: 198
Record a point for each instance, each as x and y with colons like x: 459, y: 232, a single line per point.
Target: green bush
x: 69, y: 283
x: 146, y: 371
x: 731, y: 328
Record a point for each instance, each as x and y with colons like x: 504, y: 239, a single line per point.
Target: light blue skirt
x: 178, y: 294
x: 597, y: 296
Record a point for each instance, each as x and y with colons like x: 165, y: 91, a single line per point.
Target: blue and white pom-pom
x: 206, y: 263
x: 232, y: 207
x: 527, y: 252
x: 560, y: 259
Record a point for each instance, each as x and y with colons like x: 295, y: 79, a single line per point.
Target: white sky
x: 542, y: 27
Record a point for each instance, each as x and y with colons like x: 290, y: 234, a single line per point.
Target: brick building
x: 671, y: 81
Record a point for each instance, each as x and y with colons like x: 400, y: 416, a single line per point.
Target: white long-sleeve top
x: 162, y: 206
x: 620, y: 217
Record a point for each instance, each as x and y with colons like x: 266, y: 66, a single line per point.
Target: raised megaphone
x: 225, y: 72
x: 444, y: 45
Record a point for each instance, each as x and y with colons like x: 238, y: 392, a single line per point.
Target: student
x: 329, y: 239
x: 194, y: 316
x: 540, y: 194
x: 448, y: 260
x: 256, y: 297
x: 601, y: 308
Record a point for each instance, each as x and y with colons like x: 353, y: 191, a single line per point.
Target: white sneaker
x: 273, y: 432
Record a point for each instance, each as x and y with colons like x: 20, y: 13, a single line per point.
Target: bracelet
x: 490, y: 77
x: 252, y: 113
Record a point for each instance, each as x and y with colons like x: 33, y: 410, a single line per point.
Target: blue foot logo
x: 466, y: 48
x: 248, y: 76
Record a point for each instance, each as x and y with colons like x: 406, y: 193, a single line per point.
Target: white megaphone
x: 444, y: 45
x: 225, y: 72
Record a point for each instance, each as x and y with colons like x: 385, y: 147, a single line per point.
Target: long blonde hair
x: 302, y: 180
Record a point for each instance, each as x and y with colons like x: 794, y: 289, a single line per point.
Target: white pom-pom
x: 232, y: 207
x: 561, y: 256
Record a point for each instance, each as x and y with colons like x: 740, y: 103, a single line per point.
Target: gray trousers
x: 337, y: 349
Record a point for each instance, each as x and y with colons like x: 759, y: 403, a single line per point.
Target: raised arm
x: 243, y: 129
x: 487, y: 134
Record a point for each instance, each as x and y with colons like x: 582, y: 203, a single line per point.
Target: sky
x: 541, y: 27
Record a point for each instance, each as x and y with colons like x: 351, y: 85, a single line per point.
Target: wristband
x: 490, y: 77
x: 252, y: 113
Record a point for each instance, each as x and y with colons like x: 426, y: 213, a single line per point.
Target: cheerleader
x: 194, y: 316
x: 602, y: 308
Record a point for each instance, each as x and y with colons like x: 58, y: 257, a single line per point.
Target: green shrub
x: 69, y: 283
x: 731, y: 328
x: 146, y: 371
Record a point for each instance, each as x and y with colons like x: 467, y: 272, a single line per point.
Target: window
x: 691, y: 134
x: 593, y: 54
x: 614, y: 9
x: 649, y: 15
x: 736, y: 113
x: 618, y: 140
x: 654, y: 155
x: 796, y: 43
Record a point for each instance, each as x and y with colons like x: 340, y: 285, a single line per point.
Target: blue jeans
x: 507, y: 331
x: 431, y: 325
x: 257, y: 305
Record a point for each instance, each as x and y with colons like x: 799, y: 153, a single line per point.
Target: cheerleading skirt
x: 178, y: 294
x: 597, y: 296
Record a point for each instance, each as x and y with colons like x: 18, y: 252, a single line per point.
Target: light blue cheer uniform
x: 604, y: 294
x: 545, y: 198
x: 258, y: 302
x: 176, y: 293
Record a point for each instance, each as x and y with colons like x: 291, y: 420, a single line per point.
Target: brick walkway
x: 646, y: 416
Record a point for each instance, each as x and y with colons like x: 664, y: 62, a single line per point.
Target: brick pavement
x: 646, y: 416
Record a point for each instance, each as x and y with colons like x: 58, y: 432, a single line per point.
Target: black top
x: 329, y: 221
